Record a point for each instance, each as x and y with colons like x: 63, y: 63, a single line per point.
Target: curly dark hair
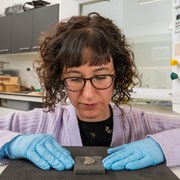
x: 64, y: 48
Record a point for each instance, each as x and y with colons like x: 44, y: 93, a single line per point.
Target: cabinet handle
x: 4, y: 50
x: 35, y: 47
x: 24, y: 48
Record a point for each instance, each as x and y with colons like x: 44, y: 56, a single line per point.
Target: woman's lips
x: 89, y: 106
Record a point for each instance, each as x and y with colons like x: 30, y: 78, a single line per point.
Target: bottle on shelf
x: 174, y: 76
x: 174, y: 62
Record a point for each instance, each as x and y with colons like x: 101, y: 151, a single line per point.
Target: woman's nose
x: 88, y: 90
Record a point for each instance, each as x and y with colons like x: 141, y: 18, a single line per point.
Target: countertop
x: 150, y: 107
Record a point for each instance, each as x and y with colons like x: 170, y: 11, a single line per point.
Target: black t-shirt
x: 96, y: 133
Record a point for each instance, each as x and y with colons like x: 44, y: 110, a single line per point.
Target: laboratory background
x: 151, y: 26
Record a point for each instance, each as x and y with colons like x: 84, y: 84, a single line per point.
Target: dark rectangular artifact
x: 88, y: 165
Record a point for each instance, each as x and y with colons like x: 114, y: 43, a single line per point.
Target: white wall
x: 112, y: 9
x: 146, y: 27
x: 136, y: 20
x: 147, y: 19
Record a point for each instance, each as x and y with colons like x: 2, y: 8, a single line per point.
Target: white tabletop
x: 2, y: 168
x: 175, y: 170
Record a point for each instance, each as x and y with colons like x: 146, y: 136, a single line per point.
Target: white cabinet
x: 175, y: 75
x: 15, y: 102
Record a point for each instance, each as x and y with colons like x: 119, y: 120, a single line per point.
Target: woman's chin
x: 90, y: 117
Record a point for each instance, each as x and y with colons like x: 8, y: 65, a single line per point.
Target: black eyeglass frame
x: 90, y: 79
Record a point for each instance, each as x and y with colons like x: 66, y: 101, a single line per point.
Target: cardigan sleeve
x: 16, y: 123
x: 170, y: 144
x: 35, y: 121
x: 6, y: 136
x: 137, y: 124
x: 21, y: 122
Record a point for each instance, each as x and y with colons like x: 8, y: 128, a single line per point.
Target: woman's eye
x: 99, y: 78
x: 76, y: 79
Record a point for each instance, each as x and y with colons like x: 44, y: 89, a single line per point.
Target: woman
x: 88, y: 60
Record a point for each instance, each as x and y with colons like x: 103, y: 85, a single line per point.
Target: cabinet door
x: 5, y: 34
x: 22, y: 32
x: 44, y: 18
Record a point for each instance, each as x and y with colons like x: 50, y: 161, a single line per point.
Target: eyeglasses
x: 99, y: 82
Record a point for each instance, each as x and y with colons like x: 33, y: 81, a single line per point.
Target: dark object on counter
x: 34, y: 5
x: 25, y: 170
x: 88, y: 165
x: 17, y: 8
x: 28, y: 89
x: 10, y: 72
x: 2, y: 64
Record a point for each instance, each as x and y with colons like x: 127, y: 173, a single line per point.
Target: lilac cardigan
x: 63, y: 125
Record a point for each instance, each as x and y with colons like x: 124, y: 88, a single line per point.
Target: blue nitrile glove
x: 135, y: 155
x: 42, y: 149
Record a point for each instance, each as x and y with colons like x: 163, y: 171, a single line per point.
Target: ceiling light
x: 89, y: 1
x: 147, y: 1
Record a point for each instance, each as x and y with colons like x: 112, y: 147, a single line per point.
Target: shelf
x: 20, y: 97
x: 153, y: 94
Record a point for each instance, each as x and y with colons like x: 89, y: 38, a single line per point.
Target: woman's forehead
x: 88, y: 68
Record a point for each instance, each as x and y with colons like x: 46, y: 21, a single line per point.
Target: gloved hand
x: 42, y: 149
x: 135, y: 155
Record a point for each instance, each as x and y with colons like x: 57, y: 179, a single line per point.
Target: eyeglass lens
x: 98, y: 82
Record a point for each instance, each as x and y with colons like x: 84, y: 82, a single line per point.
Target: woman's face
x: 90, y: 103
